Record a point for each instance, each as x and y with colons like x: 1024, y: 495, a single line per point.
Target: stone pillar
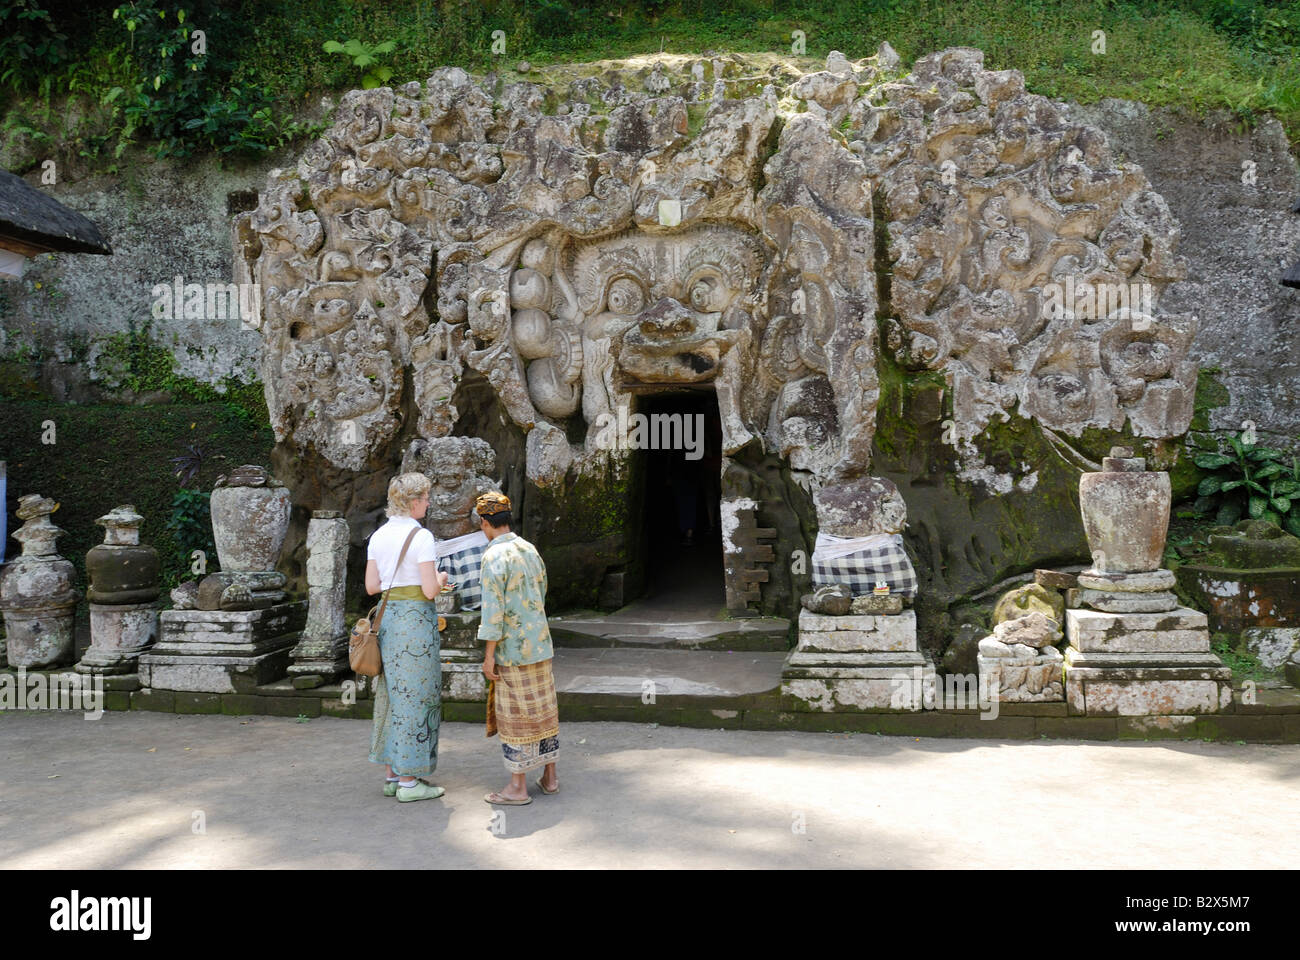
x: 123, y: 595
x: 322, y: 653
x: 1133, y: 651
x: 37, y: 593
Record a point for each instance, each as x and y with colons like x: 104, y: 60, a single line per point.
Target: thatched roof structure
x: 32, y: 222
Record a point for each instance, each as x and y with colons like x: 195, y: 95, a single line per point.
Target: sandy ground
x: 134, y: 789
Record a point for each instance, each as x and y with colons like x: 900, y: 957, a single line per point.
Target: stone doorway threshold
x: 709, y: 678
x: 684, y: 608
x: 646, y: 627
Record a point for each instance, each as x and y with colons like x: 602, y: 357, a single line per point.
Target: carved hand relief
x: 576, y: 248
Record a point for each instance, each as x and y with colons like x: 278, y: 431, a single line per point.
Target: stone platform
x: 857, y: 663
x: 1143, y: 665
x: 222, y: 651
x: 719, y: 690
x: 632, y: 630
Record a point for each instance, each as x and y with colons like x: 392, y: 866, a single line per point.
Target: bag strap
x: 400, y: 557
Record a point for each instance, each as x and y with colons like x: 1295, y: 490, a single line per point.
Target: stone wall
x: 163, y: 219
x: 1238, y: 238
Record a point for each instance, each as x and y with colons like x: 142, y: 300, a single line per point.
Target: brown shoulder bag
x: 363, y: 646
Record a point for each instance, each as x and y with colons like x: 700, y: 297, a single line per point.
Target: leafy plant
x: 363, y: 56
x: 189, y: 463
x: 30, y: 43
x: 190, y: 524
x: 1246, y: 479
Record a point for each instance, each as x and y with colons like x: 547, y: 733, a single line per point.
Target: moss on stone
x: 1210, y: 395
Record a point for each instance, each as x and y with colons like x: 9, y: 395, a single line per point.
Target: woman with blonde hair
x: 408, y: 694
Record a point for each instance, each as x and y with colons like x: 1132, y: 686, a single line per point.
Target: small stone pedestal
x: 123, y: 595
x: 1028, y: 680
x: 1143, y: 664
x: 119, y: 632
x: 462, y: 659
x: 857, y: 663
x: 222, y: 651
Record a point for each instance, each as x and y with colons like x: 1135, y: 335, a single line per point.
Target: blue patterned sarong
x: 408, y: 694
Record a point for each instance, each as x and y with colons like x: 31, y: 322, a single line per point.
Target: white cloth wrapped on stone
x: 861, y: 562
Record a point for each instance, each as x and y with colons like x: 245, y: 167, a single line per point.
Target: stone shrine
x: 858, y: 660
x: 241, y: 632
x: 1133, y: 651
x: 37, y: 592
x: 123, y: 595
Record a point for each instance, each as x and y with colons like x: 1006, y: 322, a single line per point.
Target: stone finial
x: 121, y: 525
x: 247, y: 475
x: 37, y: 534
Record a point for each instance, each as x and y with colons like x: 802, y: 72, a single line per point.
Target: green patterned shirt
x: 514, y: 602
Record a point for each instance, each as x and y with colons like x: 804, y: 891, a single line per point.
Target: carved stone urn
x: 250, y: 517
x: 37, y: 592
x: 124, y: 586
x: 1125, y: 514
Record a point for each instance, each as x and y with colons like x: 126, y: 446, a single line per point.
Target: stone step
x: 621, y: 676
x: 771, y: 634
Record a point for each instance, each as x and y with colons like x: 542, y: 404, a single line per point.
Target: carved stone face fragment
x: 860, y: 508
x: 673, y: 304
x: 459, y: 470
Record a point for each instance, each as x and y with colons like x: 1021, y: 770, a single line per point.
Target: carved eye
x: 626, y: 296
x: 702, y: 294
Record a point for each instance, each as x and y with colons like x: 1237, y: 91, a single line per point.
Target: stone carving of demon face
x: 671, y: 305
x: 459, y: 470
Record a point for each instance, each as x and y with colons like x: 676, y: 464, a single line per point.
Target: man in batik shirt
x: 518, y: 656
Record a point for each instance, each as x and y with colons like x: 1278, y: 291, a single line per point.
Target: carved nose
x: 667, y: 319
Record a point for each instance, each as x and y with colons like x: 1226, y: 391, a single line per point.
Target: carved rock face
x: 673, y: 305
x: 576, y: 246
x: 458, y: 469
x: 860, y: 508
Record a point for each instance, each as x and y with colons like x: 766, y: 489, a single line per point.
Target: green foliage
x: 181, y: 92
x: 1246, y: 479
x: 190, y: 525
x: 363, y: 56
x: 141, y: 79
x: 109, y: 454
x: 1243, y: 664
x: 30, y: 43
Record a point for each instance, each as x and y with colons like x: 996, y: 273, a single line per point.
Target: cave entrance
x: 682, y: 460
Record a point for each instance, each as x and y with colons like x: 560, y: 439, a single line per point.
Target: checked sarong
x: 464, y: 568
x: 876, y: 558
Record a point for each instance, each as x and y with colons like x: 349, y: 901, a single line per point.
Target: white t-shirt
x: 386, y: 544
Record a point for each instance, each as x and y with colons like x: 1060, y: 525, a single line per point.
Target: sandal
x: 506, y: 801
x: 544, y: 790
